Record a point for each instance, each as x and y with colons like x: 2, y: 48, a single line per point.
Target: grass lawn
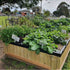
x: 3, y: 21
x: 67, y: 63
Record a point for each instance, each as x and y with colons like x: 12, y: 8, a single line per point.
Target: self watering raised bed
x: 43, y: 60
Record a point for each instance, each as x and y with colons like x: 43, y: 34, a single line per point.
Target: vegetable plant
x: 39, y: 40
x: 58, y: 37
x: 6, y: 33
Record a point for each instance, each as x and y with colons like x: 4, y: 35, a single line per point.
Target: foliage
x: 39, y: 40
x: 58, y: 37
x: 56, y: 13
x: 14, y: 64
x: 21, y: 3
x: 39, y: 34
x: 3, y: 22
x: 64, y: 21
x: 28, y: 29
x: 67, y: 63
x: 23, y: 21
x: 6, y: 11
x: 37, y: 10
x: 67, y: 28
x: 62, y: 9
x: 6, y: 33
x: 47, y: 13
x: 37, y: 20
x: 50, y: 25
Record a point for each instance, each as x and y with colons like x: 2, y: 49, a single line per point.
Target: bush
x: 64, y: 22
x: 46, y: 13
x: 23, y: 21
x: 6, y: 33
x: 37, y: 20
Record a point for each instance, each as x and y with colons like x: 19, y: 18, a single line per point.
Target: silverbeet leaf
x: 50, y: 49
x: 33, y: 45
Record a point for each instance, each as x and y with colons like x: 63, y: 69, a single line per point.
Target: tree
x: 62, y: 4
x: 47, y: 13
x: 62, y: 9
x: 6, y: 11
x: 21, y: 3
x: 56, y: 13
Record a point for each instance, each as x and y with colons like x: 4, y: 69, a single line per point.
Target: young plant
x: 39, y: 40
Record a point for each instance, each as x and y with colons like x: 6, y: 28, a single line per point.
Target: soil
x: 60, y: 46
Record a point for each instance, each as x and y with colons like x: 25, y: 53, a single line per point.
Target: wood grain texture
x: 43, y: 60
x: 28, y: 61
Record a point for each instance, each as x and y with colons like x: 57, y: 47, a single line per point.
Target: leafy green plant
x: 58, y: 37
x: 39, y: 40
x: 28, y: 29
x: 68, y: 28
x: 37, y: 20
x: 6, y: 33
x: 27, y: 22
x: 63, y: 21
x: 46, y: 13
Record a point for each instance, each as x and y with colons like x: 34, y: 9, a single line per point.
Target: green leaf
x: 50, y: 49
x: 33, y: 45
x: 44, y: 41
x: 37, y: 51
x: 26, y: 41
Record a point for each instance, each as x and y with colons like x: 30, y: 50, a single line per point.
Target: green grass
x: 11, y: 63
x: 67, y: 63
x: 3, y: 21
x: 14, y: 64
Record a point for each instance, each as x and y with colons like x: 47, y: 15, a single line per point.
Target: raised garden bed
x: 43, y: 60
x: 43, y: 44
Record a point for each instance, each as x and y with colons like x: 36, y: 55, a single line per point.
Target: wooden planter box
x: 42, y: 60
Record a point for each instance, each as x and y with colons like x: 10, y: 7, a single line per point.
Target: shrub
x: 47, y: 13
x: 37, y: 20
x: 6, y: 33
x: 64, y: 22
x: 23, y: 21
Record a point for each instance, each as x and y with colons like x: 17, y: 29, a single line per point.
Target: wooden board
x: 42, y: 60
